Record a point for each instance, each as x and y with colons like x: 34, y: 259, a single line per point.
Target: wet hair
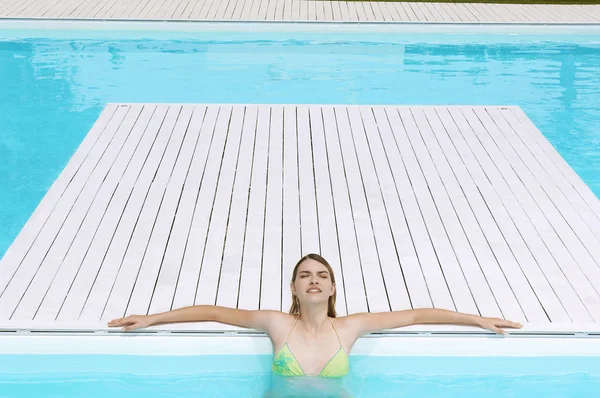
x: 295, y: 308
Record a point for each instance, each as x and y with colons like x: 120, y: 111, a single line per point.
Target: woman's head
x: 313, y: 282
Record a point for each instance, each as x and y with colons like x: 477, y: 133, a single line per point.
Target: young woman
x: 311, y: 340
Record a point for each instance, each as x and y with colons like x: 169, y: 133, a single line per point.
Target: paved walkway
x: 299, y: 10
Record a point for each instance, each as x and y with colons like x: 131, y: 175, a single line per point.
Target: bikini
x: 286, y: 364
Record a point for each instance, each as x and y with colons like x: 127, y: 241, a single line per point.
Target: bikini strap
x: 290, y: 333
x: 335, y: 330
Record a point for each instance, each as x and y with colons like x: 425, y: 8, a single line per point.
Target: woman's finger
x: 509, y: 324
x: 130, y: 327
x: 493, y: 328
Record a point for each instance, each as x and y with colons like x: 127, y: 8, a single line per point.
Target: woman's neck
x: 313, y: 318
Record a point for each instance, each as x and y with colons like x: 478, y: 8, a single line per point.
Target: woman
x: 311, y: 340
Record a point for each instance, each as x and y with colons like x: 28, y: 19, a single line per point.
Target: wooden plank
x: 19, y: 7
x: 201, y: 127
x: 328, y: 233
x: 38, y: 275
x: 78, y: 285
x: 443, y: 11
x: 292, y: 238
x: 379, y: 12
x: 7, y: 6
x: 328, y: 10
x: 455, y: 13
x: 103, y: 283
x: 563, y: 194
x: 303, y: 10
x: 253, y: 11
x: 231, y: 127
x: 141, y: 12
x: 443, y: 226
x: 528, y: 283
x: 391, y: 12
x: 309, y: 227
x: 420, y: 265
x: 245, y: 14
x: 235, y: 11
x: 348, y: 247
x: 377, y: 294
x: 558, y: 210
x: 262, y: 10
x: 14, y: 284
x: 207, y: 13
x: 344, y: 13
x: 134, y: 10
x: 219, y: 12
x: 116, y: 11
x: 23, y: 242
x: 513, y: 293
x: 352, y: 11
x: 249, y: 294
x: 190, y: 273
x: 432, y: 10
x: 295, y: 9
x: 164, y: 10
x: 518, y: 230
x: 164, y: 231
x: 560, y: 165
x: 58, y: 268
x: 279, y: 6
x: 405, y: 8
x: 370, y: 14
x: 287, y: 10
x: 524, y: 206
x: 419, y: 11
x: 40, y: 7
x: 89, y: 273
x: 181, y: 9
x: 477, y: 14
x: 107, y: 5
x: 148, y: 238
x: 199, y: 8
x: 168, y: 10
x: 360, y: 11
x: 76, y: 276
x: 229, y: 283
x: 312, y: 10
x: 384, y: 249
x: 271, y: 274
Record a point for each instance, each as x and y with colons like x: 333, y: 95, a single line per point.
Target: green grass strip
x: 576, y: 2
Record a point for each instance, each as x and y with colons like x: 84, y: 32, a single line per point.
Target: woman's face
x: 313, y: 282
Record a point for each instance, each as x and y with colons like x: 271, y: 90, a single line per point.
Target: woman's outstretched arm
x: 258, y: 320
x: 372, y: 322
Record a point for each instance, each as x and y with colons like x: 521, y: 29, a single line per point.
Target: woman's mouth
x: 313, y: 290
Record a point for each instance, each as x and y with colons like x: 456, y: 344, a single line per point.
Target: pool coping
x: 374, y: 345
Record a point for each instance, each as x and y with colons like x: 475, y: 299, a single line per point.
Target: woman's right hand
x: 132, y: 322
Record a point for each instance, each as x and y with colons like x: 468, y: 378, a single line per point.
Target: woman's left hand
x: 495, y: 324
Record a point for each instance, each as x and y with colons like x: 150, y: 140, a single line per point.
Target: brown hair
x: 295, y: 308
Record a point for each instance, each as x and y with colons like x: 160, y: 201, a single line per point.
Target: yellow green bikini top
x: 286, y: 364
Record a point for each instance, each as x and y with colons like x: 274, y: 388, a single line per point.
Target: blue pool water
x: 249, y: 376
x: 52, y: 90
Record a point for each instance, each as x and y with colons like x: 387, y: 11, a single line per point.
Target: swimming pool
x: 250, y: 376
x: 184, y: 364
x: 55, y: 84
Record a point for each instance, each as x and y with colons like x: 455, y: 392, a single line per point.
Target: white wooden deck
x: 164, y: 206
x: 299, y: 10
